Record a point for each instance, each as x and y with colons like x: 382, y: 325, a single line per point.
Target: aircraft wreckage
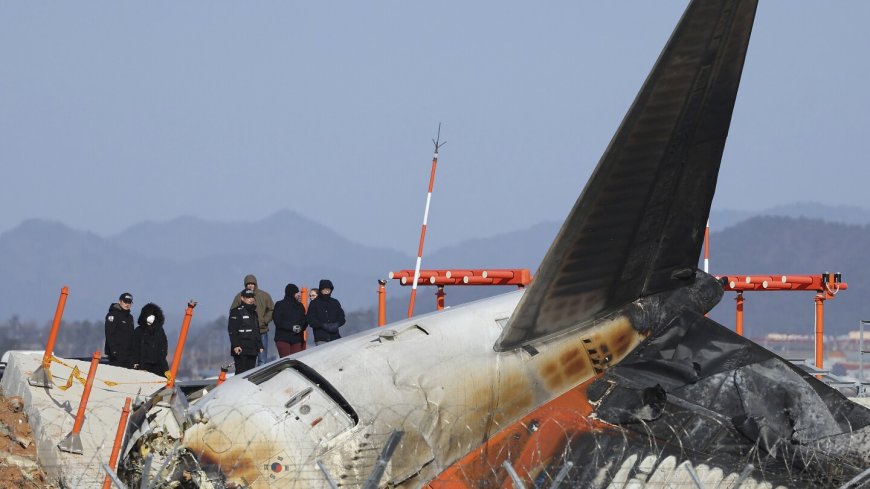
x: 604, y: 372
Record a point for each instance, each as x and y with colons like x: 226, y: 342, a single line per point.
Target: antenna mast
x: 438, y: 145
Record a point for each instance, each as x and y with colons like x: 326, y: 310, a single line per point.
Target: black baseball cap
x: 126, y: 297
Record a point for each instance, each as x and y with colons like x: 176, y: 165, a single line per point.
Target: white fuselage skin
x: 435, y: 377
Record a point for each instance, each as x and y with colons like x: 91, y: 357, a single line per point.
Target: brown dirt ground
x: 18, y: 466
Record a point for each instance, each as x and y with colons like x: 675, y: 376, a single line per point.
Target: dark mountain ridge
x: 191, y: 258
x: 769, y: 245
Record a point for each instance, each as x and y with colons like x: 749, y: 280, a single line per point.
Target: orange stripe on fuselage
x: 528, y: 444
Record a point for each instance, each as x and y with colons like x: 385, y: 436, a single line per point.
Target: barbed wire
x: 661, y: 453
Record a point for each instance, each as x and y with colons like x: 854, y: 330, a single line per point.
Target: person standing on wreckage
x: 290, y: 322
x: 119, y: 332
x: 244, y: 330
x: 149, y: 341
x: 265, y: 308
x: 325, y: 315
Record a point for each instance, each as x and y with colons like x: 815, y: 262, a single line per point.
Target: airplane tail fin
x: 637, y: 228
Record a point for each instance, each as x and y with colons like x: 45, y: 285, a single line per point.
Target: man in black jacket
x: 119, y: 332
x: 149, y: 341
x: 290, y: 322
x: 244, y: 330
x: 325, y: 315
x: 265, y: 308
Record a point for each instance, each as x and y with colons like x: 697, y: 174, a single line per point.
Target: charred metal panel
x: 637, y: 228
x: 692, y: 402
x: 696, y: 391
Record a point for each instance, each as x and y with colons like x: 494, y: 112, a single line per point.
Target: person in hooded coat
x: 119, y: 332
x: 290, y: 322
x: 149, y: 341
x: 325, y: 315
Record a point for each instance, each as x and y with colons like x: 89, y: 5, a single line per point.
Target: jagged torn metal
x: 696, y: 392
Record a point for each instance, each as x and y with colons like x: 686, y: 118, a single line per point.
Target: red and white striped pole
x: 707, y: 270
x: 438, y: 144
x: 707, y: 248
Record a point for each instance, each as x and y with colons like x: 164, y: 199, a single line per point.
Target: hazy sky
x: 113, y: 113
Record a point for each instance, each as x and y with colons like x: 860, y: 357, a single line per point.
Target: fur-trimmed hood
x: 151, y: 309
x: 325, y: 284
x: 290, y: 292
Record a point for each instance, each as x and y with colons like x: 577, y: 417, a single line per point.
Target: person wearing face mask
x: 119, y: 332
x: 149, y: 341
x: 290, y: 322
x: 325, y: 315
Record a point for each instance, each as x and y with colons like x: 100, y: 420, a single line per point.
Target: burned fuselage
x: 327, y: 412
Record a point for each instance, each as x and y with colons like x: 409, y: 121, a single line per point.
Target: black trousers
x: 244, y: 362
x: 120, y: 362
x: 154, y: 368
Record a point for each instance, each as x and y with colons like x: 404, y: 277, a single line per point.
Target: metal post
x: 739, y: 317
x: 855, y: 480
x: 381, y: 464
x: 42, y: 376
x: 862, y: 351
x: 382, y: 302
x: 146, y: 472
x: 326, y: 474
x: 707, y: 248
x: 563, y: 472
x: 119, y: 437
x: 744, y: 474
x: 72, y: 442
x: 222, y: 377
x: 440, y: 297
x: 305, y: 306
x: 438, y: 145
x: 179, y: 348
x: 518, y: 483
x: 114, y: 477
x: 820, y: 330
x: 694, y: 475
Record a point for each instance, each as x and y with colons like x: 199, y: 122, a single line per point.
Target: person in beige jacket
x: 265, y: 307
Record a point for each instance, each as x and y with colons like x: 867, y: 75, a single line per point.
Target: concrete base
x: 51, y: 413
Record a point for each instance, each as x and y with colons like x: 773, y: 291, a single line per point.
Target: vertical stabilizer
x: 638, y: 226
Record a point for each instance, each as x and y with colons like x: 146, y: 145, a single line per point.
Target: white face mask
x: 150, y: 320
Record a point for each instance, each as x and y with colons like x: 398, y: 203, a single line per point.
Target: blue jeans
x: 261, y: 358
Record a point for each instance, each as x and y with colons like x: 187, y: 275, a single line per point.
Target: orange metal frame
x: 824, y: 285
x: 86, y: 393
x: 528, y: 444
x: 304, y: 292
x: 55, y: 326
x: 179, y: 348
x: 119, y: 437
x: 382, y: 302
x: 222, y: 377
x: 519, y: 277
